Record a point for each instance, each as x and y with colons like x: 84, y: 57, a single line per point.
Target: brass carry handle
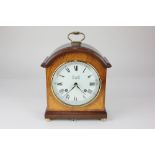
x: 76, y: 33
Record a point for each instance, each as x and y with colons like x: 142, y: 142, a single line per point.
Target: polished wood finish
x: 75, y: 115
x: 58, y: 110
x: 65, y: 49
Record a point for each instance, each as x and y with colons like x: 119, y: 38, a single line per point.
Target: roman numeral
x: 61, y: 75
x: 67, y: 96
x: 89, y: 91
x: 92, y: 83
x: 59, y: 84
x: 67, y: 69
x: 61, y: 91
x: 76, y: 68
x: 89, y: 76
x: 84, y: 70
x: 75, y: 98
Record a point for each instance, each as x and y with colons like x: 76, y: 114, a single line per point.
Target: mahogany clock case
x: 71, y: 52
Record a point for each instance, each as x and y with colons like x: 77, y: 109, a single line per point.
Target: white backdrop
x: 130, y: 83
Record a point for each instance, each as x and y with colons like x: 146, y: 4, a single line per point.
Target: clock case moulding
x: 59, y: 110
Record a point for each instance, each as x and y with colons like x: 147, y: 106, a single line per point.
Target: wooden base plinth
x: 77, y: 115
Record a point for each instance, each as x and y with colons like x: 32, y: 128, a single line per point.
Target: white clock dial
x: 75, y: 83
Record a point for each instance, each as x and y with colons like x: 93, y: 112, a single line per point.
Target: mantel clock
x: 76, y: 81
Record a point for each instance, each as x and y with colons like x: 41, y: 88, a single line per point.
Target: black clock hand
x: 80, y: 89
x: 75, y: 84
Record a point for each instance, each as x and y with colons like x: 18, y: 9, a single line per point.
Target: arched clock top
x: 70, y: 48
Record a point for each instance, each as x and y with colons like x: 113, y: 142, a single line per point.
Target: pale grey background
x: 130, y: 96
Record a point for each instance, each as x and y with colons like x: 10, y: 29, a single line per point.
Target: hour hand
x: 80, y: 89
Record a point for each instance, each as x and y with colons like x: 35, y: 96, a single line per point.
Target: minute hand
x: 70, y: 90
